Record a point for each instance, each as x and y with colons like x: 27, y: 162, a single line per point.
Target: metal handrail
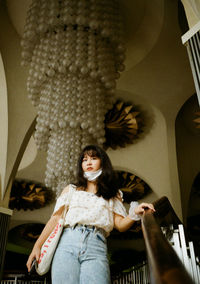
x: 164, y: 264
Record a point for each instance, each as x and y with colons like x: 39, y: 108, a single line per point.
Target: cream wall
x: 147, y: 158
x: 164, y: 80
x: 159, y: 82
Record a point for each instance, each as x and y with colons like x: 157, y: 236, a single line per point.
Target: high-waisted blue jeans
x: 81, y: 257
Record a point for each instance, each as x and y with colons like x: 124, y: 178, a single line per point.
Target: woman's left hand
x: 141, y: 208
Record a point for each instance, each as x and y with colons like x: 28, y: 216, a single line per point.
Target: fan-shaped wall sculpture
x: 29, y: 195
x: 21, y: 240
x: 122, y: 125
x: 25, y: 233
x: 132, y: 186
x: 197, y: 120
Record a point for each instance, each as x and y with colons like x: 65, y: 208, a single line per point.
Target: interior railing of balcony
x: 164, y: 264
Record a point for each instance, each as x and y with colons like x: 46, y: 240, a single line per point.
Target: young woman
x: 94, y: 208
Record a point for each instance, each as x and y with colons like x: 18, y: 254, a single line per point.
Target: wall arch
x: 18, y: 159
x: 187, y: 147
x: 194, y: 198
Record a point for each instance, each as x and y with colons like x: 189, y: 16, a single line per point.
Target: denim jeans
x: 81, y: 257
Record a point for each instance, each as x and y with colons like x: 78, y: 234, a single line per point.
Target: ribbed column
x: 193, y: 49
x: 5, y: 215
x: 192, y: 41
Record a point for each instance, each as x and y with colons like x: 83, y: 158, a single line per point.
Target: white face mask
x: 92, y: 176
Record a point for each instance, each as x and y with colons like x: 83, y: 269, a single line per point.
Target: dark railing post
x: 5, y: 215
x: 164, y: 265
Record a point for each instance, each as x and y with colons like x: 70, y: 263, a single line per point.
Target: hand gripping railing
x: 165, y: 266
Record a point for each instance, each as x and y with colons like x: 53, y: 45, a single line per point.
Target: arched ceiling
x: 17, y: 13
x: 143, y: 23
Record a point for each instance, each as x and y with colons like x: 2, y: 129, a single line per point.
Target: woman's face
x: 92, y: 164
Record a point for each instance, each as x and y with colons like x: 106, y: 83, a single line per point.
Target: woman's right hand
x: 35, y: 254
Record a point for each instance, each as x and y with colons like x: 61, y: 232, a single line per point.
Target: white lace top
x: 86, y: 208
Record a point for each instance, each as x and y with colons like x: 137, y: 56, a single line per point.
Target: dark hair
x: 106, y: 182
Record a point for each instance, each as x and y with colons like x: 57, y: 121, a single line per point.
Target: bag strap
x: 70, y: 197
x: 65, y: 211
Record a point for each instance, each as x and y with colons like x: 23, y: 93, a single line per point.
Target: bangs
x: 91, y: 153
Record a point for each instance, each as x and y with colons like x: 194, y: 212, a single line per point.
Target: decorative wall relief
x: 29, y: 195
x: 122, y: 125
x: 189, y: 115
x: 132, y: 186
x: 134, y: 189
x: 75, y: 52
x: 20, y: 243
x: 25, y: 233
x: 197, y: 119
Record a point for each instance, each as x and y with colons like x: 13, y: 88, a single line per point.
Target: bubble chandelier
x: 75, y: 52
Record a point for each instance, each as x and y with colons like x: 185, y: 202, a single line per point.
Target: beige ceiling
x: 143, y: 20
x: 17, y: 13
